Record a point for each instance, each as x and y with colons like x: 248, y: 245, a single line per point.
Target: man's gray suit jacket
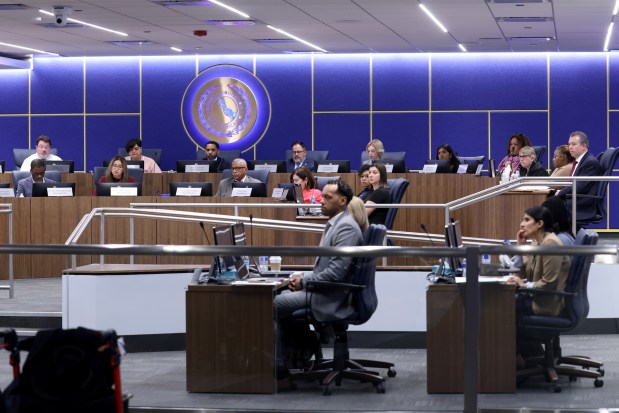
x: 225, y: 186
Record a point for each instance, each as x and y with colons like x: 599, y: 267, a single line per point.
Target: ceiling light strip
x: 616, y: 9
x: 434, y: 19
x: 608, y: 34
x: 176, y: 49
x: 298, y: 39
x: 462, y: 47
x: 225, y: 6
x: 94, y: 26
x: 30, y: 49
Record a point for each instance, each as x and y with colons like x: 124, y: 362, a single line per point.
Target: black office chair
x: 324, y: 180
x: 136, y: 173
x: 364, y: 302
x: 398, y: 189
x: 155, y: 154
x: 597, y: 212
x: 19, y: 155
x: 393, y: 156
x: 539, y: 153
x: 260, y: 174
x: 546, y: 328
x: 314, y: 155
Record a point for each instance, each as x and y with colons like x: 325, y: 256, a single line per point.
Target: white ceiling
x: 339, y: 26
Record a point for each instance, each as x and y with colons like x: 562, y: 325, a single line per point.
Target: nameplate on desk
x: 62, y: 191
x: 479, y: 168
x: 241, y: 191
x: 197, y: 168
x: 188, y: 191
x: 7, y: 193
x: 279, y: 193
x: 462, y: 168
x: 431, y: 168
x: 270, y: 168
x: 123, y: 191
x: 329, y: 168
x: 130, y: 166
x: 389, y: 167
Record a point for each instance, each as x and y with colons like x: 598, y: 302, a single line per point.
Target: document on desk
x: 533, y: 188
x: 261, y: 281
x: 485, y: 279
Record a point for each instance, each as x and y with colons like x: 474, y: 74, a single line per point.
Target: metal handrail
x: 7, y: 209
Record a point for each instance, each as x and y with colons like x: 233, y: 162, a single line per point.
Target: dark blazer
x: 588, y: 166
x: 220, y: 163
x: 310, y: 163
x: 535, y: 170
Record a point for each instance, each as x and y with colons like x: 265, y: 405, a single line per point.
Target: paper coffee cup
x: 276, y: 263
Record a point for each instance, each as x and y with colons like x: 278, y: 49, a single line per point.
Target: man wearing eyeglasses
x: 299, y: 158
x: 37, y: 174
x: 44, y: 148
x: 239, y: 174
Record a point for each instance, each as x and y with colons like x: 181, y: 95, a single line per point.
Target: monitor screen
x: 442, y: 166
x: 453, y: 239
x: 105, y: 188
x: 206, y: 188
x: 398, y: 165
x: 258, y: 189
x: 41, y: 188
x: 195, y: 166
x: 2, y: 167
x: 273, y: 166
x: 130, y: 164
x: 343, y: 166
x: 60, y: 166
x: 224, y: 235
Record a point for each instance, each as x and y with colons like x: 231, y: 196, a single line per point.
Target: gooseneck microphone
x: 423, y: 227
x: 205, y: 234
x: 251, y: 227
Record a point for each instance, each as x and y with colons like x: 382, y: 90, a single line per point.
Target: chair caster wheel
x: 572, y: 379
x: 556, y: 388
x: 391, y: 372
x: 598, y: 383
x: 326, y: 391
x: 380, y: 389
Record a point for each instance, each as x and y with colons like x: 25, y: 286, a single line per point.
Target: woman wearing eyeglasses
x: 528, y: 164
x: 516, y: 142
x: 117, y: 171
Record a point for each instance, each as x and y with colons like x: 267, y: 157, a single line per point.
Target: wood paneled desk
x: 230, y: 339
x: 445, y: 338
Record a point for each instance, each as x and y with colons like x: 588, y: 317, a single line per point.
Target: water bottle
x: 246, y: 261
x: 313, y: 202
x: 516, y: 174
x: 464, y: 267
x: 264, y: 264
x: 505, y: 174
x: 485, y: 259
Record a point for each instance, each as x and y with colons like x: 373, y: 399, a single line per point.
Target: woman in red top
x: 303, y: 176
x: 117, y: 171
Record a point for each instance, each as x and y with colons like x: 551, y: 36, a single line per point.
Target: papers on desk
x: 532, y: 188
x: 483, y: 279
x: 261, y: 281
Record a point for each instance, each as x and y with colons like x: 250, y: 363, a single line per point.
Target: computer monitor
x: 223, y: 235
x: 273, y: 166
x: 453, y: 239
x: 258, y: 189
x: 238, y: 233
x: 398, y: 165
x: 41, y: 188
x: 130, y: 164
x: 60, y: 166
x: 188, y: 188
x: 5, y: 185
x: 195, y: 165
x: 105, y: 188
x: 2, y: 167
x: 442, y: 166
x: 343, y: 166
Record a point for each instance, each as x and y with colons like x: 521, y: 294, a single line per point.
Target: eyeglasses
x: 525, y: 156
x: 43, y: 146
x: 301, y: 151
x: 236, y: 168
x: 117, y: 166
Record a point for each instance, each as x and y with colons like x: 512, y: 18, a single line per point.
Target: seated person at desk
x: 303, y: 177
x: 299, y: 158
x: 117, y: 171
x: 363, y: 174
x: 528, y: 163
x: 134, y: 149
x: 375, y: 150
x: 340, y: 231
x: 380, y: 194
x: 239, y: 174
x: 516, y: 142
x: 37, y: 171
x: 211, y: 150
x: 562, y: 226
x: 43, y: 151
x: 445, y: 153
x: 562, y: 161
x: 356, y: 208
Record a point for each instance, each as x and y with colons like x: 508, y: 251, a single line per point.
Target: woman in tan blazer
x: 562, y: 161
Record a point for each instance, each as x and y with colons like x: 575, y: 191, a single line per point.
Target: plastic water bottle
x: 506, y: 173
x: 264, y: 264
x: 464, y: 267
x: 485, y: 259
x: 246, y: 261
x: 313, y: 202
x: 516, y: 174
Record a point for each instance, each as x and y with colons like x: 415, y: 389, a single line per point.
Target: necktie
x: 297, y: 165
x: 573, y: 167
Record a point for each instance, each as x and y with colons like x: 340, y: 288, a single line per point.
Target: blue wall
x: 412, y: 102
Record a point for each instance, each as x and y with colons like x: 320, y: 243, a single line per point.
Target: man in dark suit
x: 299, y: 158
x: 239, y: 174
x: 585, y: 165
x: 37, y: 174
x: 211, y: 152
x: 341, y: 231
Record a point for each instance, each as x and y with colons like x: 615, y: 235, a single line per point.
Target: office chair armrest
x: 322, y: 285
x: 539, y: 291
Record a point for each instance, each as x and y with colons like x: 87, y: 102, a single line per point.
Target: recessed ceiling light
x: 230, y: 22
x: 15, y: 6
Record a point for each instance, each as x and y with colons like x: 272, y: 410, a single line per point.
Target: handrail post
x: 131, y: 238
x: 102, y: 235
x: 574, y: 207
x: 11, y: 275
x: 471, y: 331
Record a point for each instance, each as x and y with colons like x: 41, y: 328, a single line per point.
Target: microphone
x: 205, y: 234
x: 215, y: 265
x: 251, y: 228
x: 423, y: 227
x: 438, y: 274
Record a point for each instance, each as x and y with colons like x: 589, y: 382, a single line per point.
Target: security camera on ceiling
x: 61, y: 14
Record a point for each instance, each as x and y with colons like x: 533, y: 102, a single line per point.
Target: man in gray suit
x: 341, y: 231
x: 239, y: 174
x: 37, y: 174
